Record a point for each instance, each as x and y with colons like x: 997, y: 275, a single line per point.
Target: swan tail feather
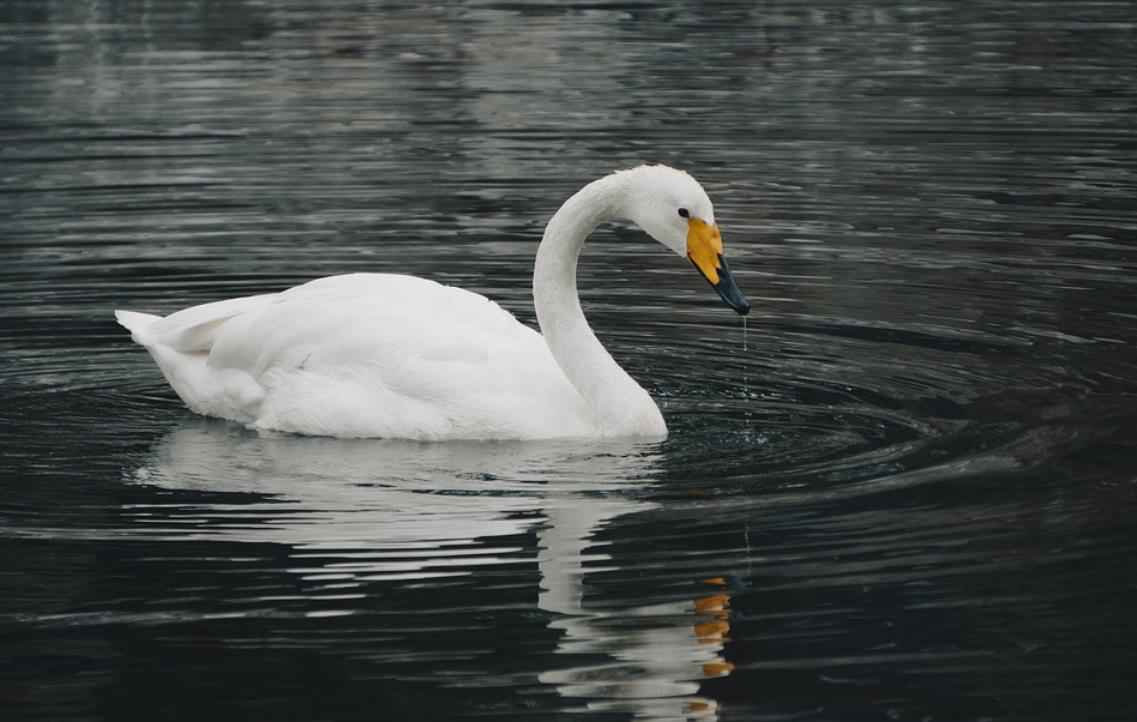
x: 192, y: 329
x: 136, y: 323
x: 181, y: 354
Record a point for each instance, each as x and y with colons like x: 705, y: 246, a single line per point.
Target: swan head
x: 674, y: 209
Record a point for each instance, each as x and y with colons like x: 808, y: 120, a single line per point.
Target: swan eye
x: 683, y: 212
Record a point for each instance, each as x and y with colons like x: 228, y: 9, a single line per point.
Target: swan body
x: 384, y: 355
x: 366, y: 355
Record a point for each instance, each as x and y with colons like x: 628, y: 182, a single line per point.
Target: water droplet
x: 746, y: 380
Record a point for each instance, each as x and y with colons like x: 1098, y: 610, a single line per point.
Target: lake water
x: 910, y: 496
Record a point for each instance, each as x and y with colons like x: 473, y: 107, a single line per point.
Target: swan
x: 384, y: 355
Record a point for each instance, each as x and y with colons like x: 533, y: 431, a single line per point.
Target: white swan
x: 379, y: 355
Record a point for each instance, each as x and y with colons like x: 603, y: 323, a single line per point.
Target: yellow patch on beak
x: 704, y: 248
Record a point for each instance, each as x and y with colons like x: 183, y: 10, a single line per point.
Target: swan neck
x: 620, y: 405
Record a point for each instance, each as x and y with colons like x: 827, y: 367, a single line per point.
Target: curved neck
x: 621, y: 406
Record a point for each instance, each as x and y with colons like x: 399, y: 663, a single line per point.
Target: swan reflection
x: 354, y: 512
x: 657, y: 653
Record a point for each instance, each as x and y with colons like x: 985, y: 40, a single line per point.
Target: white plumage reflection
x: 359, y: 518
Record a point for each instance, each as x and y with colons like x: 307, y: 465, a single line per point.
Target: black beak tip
x: 727, y: 289
x: 733, y: 297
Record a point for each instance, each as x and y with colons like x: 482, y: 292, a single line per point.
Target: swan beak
x: 704, y: 250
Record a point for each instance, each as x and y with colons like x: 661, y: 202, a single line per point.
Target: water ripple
x: 905, y: 493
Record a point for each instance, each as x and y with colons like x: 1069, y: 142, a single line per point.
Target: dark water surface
x: 910, y: 497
